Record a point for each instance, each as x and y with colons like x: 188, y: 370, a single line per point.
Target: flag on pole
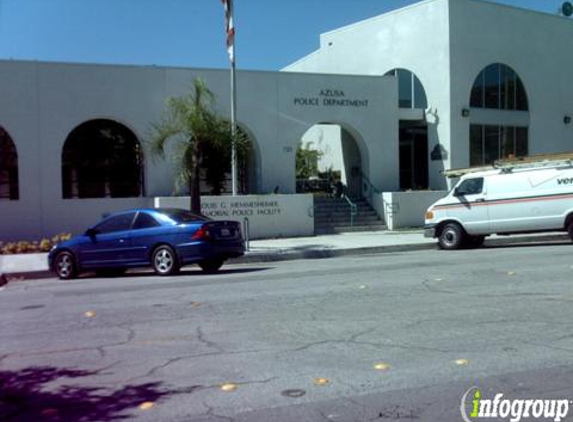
x: 230, y: 29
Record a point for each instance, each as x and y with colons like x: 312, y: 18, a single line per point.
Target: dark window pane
x: 101, y: 158
x: 507, y: 89
x: 491, y: 144
x: 492, y: 86
x: 521, y: 142
x: 521, y: 96
x: 507, y: 142
x: 9, y: 188
x: 476, y: 98
x: 404, y: 88
x: 471, y: 186
x: 144, y: 221
x: 182, y: 216
x: 476, y: 145
x: 116, y: 223
x: 420, y: 100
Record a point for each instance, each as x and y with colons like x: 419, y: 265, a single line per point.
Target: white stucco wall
x: 537, y: 46
x: 415, y: 38
x: 41, y: 103
x: 265, y: 216
x: 406, y: 209
x: 446, y: 43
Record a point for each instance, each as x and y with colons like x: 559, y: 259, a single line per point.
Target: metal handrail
x: 353, y: 209
x: 369, y: 183
x: 247, y: 230
x: 371, y: 188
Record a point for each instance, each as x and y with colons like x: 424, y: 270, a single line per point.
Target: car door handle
x: 121, y: 240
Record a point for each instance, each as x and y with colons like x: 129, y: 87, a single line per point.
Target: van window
x: 470, y: 187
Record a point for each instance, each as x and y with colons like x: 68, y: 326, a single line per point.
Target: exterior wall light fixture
x: 567, y: 120
x: 465, y: 112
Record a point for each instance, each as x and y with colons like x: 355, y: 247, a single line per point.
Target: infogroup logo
x: 474, y: 408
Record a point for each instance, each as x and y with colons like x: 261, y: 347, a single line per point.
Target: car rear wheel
x: 451, y: 237
x: 164, y: 260
x: 65, y: 266
x: 211, y: 266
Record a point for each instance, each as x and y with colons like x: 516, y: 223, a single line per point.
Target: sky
x: 270, y: 34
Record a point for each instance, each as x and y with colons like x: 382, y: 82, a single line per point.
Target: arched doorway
x: 215, y: 172
x: 9, y: 188
x: 102, y: 159
x: 329, y: 158
x: 413, y: 131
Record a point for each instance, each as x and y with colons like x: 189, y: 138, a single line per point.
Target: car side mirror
x: 457, y: 192
x: 91, y: 233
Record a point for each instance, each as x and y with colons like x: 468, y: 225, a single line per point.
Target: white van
x: 506, y: 200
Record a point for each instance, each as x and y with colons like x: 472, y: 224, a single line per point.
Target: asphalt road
x: 378, y: 337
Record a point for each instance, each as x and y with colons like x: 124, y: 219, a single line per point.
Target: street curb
x: 293, y: 254
x: 252, y: 258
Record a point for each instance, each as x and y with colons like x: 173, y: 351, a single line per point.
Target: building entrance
x: 413, y: 156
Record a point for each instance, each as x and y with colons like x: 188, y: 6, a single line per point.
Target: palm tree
x: 191, y: 122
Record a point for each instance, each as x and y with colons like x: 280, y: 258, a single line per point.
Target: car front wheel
x: 211, y: 266
x: 164, y: 260
x: 451, y: 237
x: 65, y: 266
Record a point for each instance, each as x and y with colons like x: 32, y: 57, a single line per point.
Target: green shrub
x: 44, y: 245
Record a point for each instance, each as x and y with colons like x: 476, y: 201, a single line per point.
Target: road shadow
x: 186, y: 271
x: 25, y: 396
x: 526, y: 245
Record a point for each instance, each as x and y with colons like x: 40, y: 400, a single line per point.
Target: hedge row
x: 44, y: 245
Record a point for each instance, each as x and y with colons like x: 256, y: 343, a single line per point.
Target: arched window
x: 102, y: 159
x: 8, y: 167
x: 499, y: 87
x: 411, y: 93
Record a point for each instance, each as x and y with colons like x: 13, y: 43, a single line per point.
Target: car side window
x: 115, y: 224
x: 470, y: 187
x: 144, y: 221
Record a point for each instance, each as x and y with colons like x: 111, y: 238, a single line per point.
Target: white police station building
x: 436, y: 85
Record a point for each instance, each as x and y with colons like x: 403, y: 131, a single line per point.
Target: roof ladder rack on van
x: 508, y: 165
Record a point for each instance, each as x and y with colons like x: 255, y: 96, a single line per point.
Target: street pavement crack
x: 202, y: 339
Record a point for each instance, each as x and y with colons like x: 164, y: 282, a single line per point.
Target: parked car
x: 164, y: 239
x: 527, y: 198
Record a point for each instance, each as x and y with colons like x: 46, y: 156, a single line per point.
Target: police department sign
x: 330, y: 98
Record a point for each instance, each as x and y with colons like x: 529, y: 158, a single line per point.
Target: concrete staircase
x: 333, y: 216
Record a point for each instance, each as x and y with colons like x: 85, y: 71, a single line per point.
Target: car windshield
x: 182, y: 216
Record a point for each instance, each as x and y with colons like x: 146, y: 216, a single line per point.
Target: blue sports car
x: 165, y: 239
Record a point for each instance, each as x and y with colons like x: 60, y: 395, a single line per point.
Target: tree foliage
x: 200, y: 136
x: 307, y: 161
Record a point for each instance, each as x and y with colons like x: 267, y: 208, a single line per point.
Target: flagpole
x: 233, y: 126
x: 230, y: 10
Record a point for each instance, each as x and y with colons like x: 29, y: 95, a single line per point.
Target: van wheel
x: 475, y: 241
x: 570, y: 229
x: 451, y: 237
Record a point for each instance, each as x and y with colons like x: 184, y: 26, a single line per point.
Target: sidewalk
x: 326, y: 246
